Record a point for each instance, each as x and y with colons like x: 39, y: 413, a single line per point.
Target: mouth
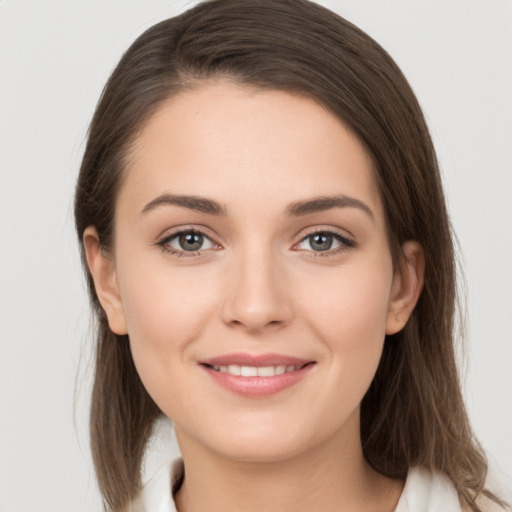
x: 257, y: 371
x: 257, y: 376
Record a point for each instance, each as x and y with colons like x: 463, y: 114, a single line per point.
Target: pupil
x: 191, y: 241
x: 321, y: 242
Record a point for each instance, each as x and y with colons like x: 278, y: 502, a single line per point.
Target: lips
x: 243, y: 359
x: 256, y: 376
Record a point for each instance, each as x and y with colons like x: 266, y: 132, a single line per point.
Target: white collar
x: 427, y: 492
x: 423, y: 491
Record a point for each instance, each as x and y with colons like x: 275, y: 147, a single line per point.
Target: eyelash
x: 346, y: 244
x: 163, y: 243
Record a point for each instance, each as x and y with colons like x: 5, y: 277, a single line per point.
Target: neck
x: 334, y: 476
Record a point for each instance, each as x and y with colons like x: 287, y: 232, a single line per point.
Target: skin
x: 257, y: 286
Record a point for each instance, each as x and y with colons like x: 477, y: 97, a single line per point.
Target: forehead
x: 239, y: 144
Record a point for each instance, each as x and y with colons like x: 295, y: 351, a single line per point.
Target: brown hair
x: 413, y: 413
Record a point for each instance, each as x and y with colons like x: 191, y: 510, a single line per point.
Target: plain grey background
x: 55, y: 57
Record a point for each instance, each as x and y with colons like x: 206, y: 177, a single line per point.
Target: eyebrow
x: 322, y: 203
x: 200, y: 204
x: 296, y: 209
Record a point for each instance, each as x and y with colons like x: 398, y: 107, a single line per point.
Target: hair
x: 413, y: 413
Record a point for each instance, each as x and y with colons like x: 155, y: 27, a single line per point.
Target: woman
x: 270, y: 259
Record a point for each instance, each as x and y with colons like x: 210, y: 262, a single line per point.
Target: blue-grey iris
x: 191, y: 241
x: 321, y: 241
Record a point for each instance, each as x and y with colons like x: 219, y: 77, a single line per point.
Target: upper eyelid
x: 343, y: 233
x: 346, y: 241
x: 173, y: 232
x: 343, y: 240
x: 164, y: 242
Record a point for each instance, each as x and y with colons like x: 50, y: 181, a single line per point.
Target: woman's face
x: 250, y: 238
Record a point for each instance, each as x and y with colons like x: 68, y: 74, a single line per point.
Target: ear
x: 103, y: 271
x: 406, y: 288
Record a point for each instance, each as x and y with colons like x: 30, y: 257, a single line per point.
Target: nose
x: 257, y: 297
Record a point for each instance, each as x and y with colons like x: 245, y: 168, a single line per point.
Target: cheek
x: 166, y: 310
x: 350, y: 317
x: 164, y: 303
x: 165, y: 307
x: 353, y: 301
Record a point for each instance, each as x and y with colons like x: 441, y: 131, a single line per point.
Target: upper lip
x: 258, y: 360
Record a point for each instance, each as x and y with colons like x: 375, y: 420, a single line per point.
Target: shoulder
x: 487, y: 505
x: 433, y: 492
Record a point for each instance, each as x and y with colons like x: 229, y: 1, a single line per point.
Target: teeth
x: 248, y: 371
x: 256, y: 371
x: 266, y: 371
x: 234, y: 369
x: 279, y: 370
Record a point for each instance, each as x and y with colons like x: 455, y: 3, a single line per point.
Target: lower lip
x: 258, y: 387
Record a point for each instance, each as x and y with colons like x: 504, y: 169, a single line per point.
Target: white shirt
x: 423, y: 492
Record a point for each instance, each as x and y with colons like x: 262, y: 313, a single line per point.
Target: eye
x: 187, y: 241
x: 325, y: 241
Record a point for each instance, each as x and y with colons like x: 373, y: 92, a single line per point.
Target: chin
x: 265, y: 442
x: 260, y: 450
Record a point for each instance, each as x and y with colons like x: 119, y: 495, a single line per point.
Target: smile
x: 256, y: 371
x: 257, y: 376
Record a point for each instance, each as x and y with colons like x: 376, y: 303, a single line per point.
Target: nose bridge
x: 257, y: 296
